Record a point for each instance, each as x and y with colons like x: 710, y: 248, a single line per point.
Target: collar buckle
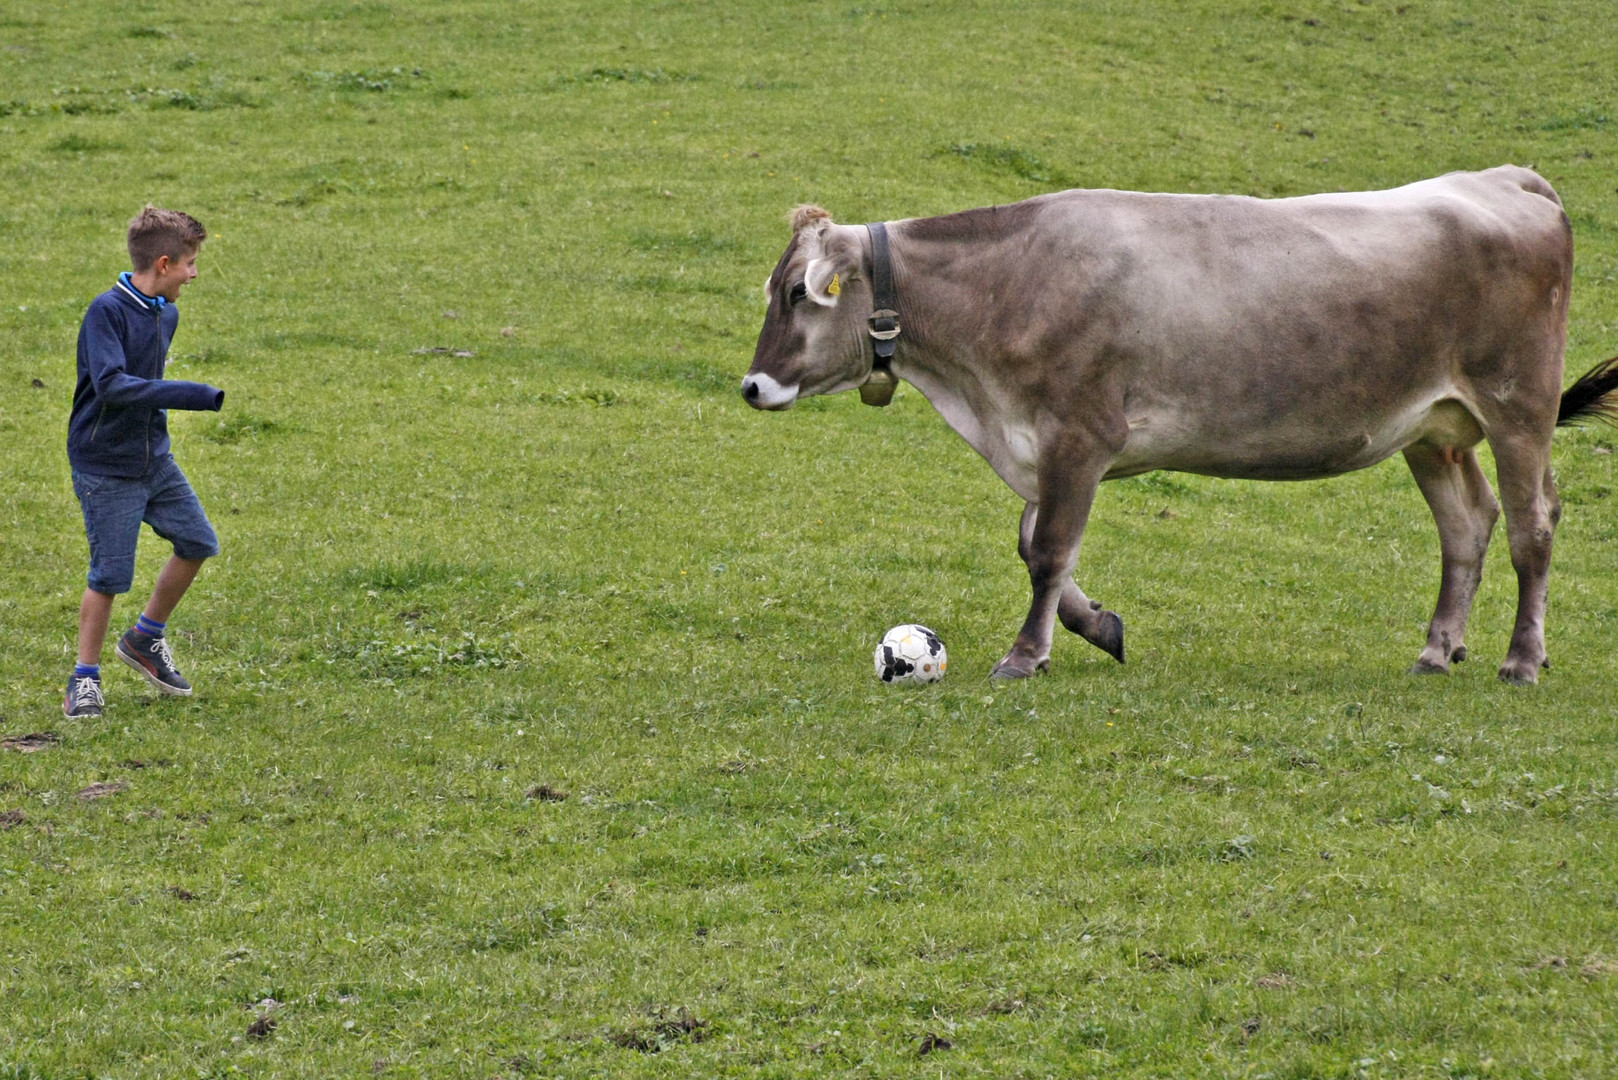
x: 884, y: 324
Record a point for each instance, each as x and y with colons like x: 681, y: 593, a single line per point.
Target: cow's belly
x: 1306, y: 449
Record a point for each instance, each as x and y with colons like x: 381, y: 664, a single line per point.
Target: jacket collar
x: 126, y: 282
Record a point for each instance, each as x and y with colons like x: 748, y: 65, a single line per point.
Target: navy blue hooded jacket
x: 119, y: 425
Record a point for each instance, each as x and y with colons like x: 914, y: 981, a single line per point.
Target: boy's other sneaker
x: 151, y: 657
x: 84, y: 698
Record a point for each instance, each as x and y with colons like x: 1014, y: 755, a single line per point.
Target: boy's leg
x: 95, y: 613
x: 83, y: 700
x: 172, y: 582
x: 175, y: 514
x: 112, y: 512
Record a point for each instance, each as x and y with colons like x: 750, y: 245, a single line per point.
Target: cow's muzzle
x: 763, y: 392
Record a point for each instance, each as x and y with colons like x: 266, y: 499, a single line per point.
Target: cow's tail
x: 1592, y: 397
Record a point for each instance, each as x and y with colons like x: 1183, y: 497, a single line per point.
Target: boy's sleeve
x: 104, y: 354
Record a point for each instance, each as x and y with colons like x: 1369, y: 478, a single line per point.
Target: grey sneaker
x: 151, y: 657
x: 83, y: 699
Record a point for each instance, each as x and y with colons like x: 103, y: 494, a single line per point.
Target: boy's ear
x: 824, y: 279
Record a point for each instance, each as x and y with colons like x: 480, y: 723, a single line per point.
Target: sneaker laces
x: 161, y: 647
x: 87, y: 691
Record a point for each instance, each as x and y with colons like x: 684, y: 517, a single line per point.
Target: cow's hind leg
x: 1465, y: 509
x: 1083, y: 616
x: 1532, y: 511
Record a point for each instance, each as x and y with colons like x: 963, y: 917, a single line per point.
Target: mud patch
x: 30, y: 743
x: 663, y: 1029
x: 1006, y: 1006
x: 1593, y: 968
x: 185, y: 896
x: 10, y: 819
x: 102, y: 791
x: 931, y: 1043
x: 546, y: 793
x: 262, y: 1028
x: 1157, y: 961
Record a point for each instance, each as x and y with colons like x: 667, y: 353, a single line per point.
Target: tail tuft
x: 1591, y: 397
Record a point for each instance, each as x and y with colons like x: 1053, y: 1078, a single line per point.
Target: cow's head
x: 813, y: 340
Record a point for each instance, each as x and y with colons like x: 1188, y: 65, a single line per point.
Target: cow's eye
x: 799, y: 291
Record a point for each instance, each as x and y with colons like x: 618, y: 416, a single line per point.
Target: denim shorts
x: 114, y: 507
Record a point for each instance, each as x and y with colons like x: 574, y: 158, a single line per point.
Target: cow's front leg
x: 1053, y: 531
x: 1080, y: 614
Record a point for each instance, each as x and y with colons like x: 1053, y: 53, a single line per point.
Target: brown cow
x: 1088, y: 335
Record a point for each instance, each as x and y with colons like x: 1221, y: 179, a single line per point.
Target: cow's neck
x: 944, y: 307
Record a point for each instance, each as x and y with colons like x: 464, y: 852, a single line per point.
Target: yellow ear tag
x: 836, y: 286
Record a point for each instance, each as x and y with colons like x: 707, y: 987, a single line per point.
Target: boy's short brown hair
x: 155, y: 231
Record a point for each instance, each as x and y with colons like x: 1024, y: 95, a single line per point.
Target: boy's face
x: 169, y: 275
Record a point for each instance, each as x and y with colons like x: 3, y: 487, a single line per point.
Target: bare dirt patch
x: 10, y: 819
x: 262, y: 1028
x: 546, y: 793
x: 931, y: 1042
x: 663, y: 1029
x: 31, y: 743
x: 1275, y: 980
x: 102, y: 790
x: 1005, y: 1006
x: 1595, y: 967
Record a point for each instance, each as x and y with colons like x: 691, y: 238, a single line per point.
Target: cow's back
x: 1290, y: 337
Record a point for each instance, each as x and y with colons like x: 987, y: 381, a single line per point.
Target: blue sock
x: 150, y: 627
x: 92, y: 671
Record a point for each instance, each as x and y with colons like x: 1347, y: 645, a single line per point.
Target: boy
x: 118, y: 444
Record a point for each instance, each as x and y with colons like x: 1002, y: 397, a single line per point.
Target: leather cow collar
x: 883, y: 324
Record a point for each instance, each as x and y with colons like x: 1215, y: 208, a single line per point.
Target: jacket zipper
x: 157, y: 315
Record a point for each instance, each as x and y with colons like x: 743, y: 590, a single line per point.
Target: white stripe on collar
x: 151, y: 303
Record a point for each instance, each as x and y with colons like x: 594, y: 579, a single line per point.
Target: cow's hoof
x: 1019, y: 667
x: 1109, y: 636
x: 1519, y: 674
x: 1459, y: 655
x: 1103, y: 629
x: 1427, y: 667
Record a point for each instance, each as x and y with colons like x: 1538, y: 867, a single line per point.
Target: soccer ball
x: 910, y: 653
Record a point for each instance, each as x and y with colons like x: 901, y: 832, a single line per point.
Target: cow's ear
x: 824, y: 279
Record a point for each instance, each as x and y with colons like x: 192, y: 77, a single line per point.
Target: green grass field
x: 536, y: 733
